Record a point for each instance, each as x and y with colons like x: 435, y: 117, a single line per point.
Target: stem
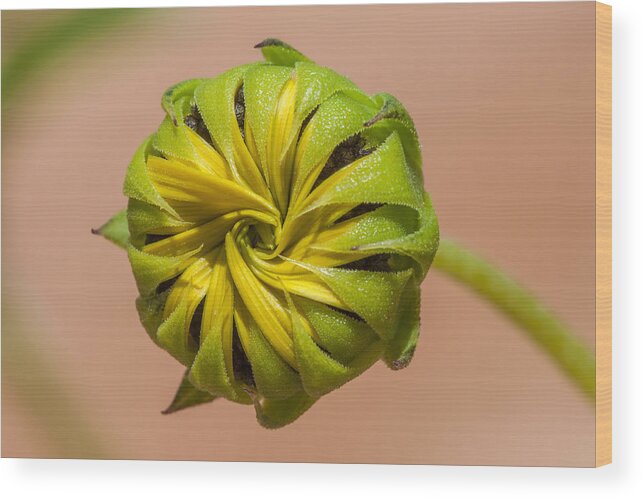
x: 571, y: 355
x: 34, y: 383
x: 72, y: 30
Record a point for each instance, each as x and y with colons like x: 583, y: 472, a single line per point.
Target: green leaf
x: 188, y: 396
x: 115, y: 229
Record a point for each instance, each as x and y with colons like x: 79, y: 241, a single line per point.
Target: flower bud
x: 279, y: 232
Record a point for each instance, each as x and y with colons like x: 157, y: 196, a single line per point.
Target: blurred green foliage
x: 74, y: 29
x: 36, y: 385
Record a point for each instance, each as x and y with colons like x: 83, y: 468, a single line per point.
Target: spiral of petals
x: 279, y: 232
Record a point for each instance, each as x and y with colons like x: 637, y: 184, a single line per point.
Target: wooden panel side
x: 603, y: 234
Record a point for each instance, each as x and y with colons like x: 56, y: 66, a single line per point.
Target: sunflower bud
x: 278, y: 233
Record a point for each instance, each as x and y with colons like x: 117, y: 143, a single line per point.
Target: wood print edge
x: 603, y: 234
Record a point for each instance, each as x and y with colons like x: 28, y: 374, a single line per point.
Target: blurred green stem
x: 523, y: 309
x: 75, y: 29
x: 34, y: 383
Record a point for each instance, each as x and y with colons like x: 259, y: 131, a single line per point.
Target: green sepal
x: 144, y: 218
x: 262, y: 85
x: 381, y: 130
x: 274, y: 378
x: 188, y: 395
x: 393, y: 117
x: 389, y: 108
x: 209, y: 372
x: 151, y: 270
x: 137, y: 182
x: 321, y: 374
x: 339, y: 108
x: 171, y: 141
x: 115, y: 229
x: 316, y: 84
x: 173, y: 337
x: 150, y: 312
x: 344, y: 337
x: 280, y: 53
x: 421, y: 245
x: 374, y: 296
x: 381, y: 177
x: 273, y: 414
x: 400, y: 349
x: 391, y: 229
x: 215, y: 100
x: 381, y: 226
x: 174, y: 98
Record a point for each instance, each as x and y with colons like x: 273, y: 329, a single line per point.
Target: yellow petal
x: 247, y: 170
x: 182, y: 187
x: 209, y: 234
x: 219, y: 306
x: 214, y: 161
x: 190, y: 287
x: 266, y: 309
x: 295, y: 279
x: 302, y: 186
x: 280, y: 154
